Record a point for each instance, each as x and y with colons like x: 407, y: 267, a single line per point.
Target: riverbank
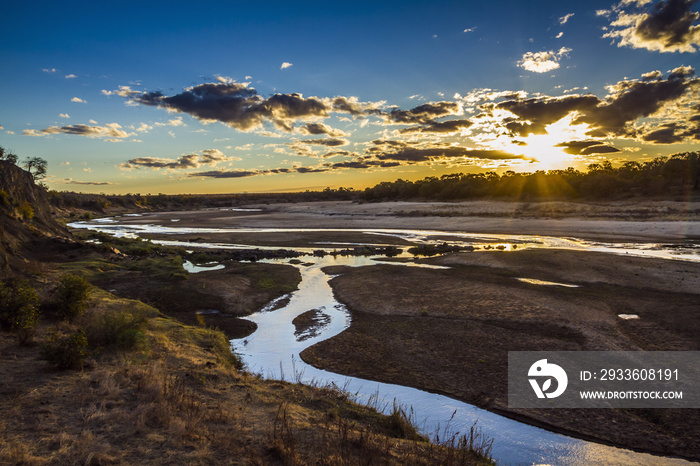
x: 650, y: 221
x: 449, y: 330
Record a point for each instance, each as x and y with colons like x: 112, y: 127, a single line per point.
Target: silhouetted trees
x: 677, y: 174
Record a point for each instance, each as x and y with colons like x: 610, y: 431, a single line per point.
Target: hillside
x: 29, y: 231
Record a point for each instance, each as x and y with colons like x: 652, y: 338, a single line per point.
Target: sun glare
x: 542, y: 148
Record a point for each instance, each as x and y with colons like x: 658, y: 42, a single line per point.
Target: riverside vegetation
x: 90, y: 375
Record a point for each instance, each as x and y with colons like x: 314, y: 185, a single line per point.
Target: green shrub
x: 26, y: 211
x: 117, y: 330
x: 66, y: 352
x: 4, y: 197
x: 73, y: 294
x: 19, y: 309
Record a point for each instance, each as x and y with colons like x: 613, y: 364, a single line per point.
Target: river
x: 273, y: 349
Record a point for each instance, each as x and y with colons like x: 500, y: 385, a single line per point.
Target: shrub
x: 19, y: 309
x: 66, y: 352
x: 26, y: 211
x: 117, y: 329
x: 73, y: 293
x: 4, y: 197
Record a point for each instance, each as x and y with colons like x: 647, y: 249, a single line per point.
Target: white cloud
x: 64, y: 115
x: 559, y: 35
x: 565, y: 18
x: 78, y: 100
x: 542, y: 62
x: 286, y: 65
x: 71, y: 76
x: 49, y: 70
x: 470, y: 29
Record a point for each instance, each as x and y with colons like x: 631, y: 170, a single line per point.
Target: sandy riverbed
x: 449, y: 331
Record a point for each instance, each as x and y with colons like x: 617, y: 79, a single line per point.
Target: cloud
x: 416, y: 153
x: 542, y: 62
x: 565, y: 18
x: 423, y: 114
x: 321, y: 128
x: 286, y: 65
x: 587, y: 147
x: 615, y: 116
x: 470, y: 29
x: 236, y: 105
x: 667, y: 27
x: 184, y: 162
x: 241, y: 107
x: 64, y: 115
x: 86, y: 183
x: 110, y: 130
x: 49, y: 70
x: 70, y: 76
x: 78, y: 100
x: 443, y: 127
x: 329, y: 142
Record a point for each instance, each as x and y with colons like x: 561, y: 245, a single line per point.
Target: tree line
x: 663, y: 176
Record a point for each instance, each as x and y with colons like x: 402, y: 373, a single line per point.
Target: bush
x: 66, y: 352
x: 19, y: 309
x: 4, y: 197
x: 73, y: 293
x: 26, y: 211
x: 117, y: 329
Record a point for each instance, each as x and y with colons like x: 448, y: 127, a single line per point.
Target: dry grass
x: 179, y: 399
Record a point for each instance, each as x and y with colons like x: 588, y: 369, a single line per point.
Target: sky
x: 228, y: 97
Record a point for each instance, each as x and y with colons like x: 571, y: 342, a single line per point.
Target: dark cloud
x: 361, y: 164
x: 110, y: 130
x: 416, y: 153
x: 352, y: 106
x: 181, y: 163
x: 329, y: 142
x: 225, y: 174
x: 586, y: 147
x: 628, y: 101
x: 423, y: 114
x: 671, y: 133
x: 88, y: 183
x: 236, y: 105
x: 443, y: 127
x: 184, y: 162
x: 321, y: 128
x: 667, y: 27
x: 633, y: 99
x: 536, y: 113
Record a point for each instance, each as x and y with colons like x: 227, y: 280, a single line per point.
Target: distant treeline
x: 663, y: 176
x: 104, y: 202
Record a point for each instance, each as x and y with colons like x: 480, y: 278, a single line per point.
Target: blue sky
x: 232, y: 97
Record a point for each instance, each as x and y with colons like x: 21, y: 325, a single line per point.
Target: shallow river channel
x: 273, y: 349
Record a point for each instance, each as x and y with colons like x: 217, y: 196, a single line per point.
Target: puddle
x: 191, y: 268
x: 534, y: 281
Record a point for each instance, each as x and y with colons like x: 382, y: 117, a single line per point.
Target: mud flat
x: 449, y: 330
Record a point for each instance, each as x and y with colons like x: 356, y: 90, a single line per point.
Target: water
x: 273, y: 350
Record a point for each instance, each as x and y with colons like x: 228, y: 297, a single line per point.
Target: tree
x: 73, y: 294
x: 36, y: 166
x: 8, y: 156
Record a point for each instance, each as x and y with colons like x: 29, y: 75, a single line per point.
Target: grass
x: 178, y: 395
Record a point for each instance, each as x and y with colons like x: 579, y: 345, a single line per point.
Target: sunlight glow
x: 542, y: 147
